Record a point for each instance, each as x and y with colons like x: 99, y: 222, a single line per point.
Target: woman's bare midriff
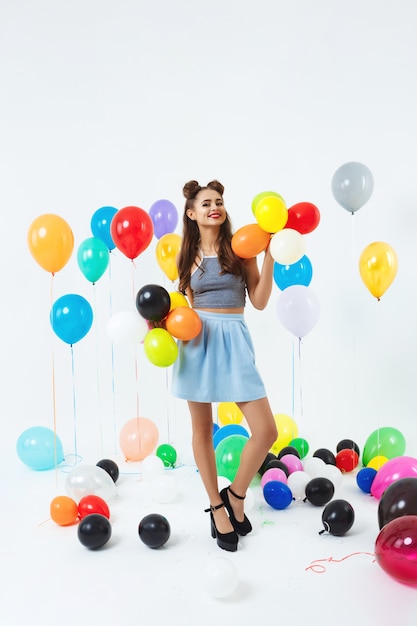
x: 239, y: 310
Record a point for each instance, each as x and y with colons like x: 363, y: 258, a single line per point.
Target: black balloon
x: 110, y: 467
x: 348, y: 444
x: 269, y: 457
x: 398, y: 499
x: 325, y: 455
x: 277, y: 463
x: 94, y: 531
x: 288, y: 450
x: 153, y: 302
x: 319, y: 491
x: 337, y: 517
x: 154, y: 530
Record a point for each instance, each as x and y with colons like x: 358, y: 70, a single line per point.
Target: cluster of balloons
x: 352, y: 186
x: 170, y: 318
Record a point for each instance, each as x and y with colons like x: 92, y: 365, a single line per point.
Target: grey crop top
x: 213, y: 290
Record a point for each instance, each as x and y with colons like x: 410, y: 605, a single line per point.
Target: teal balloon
x: 386, y: 441
x: 352, y: 185
x: 71, y: 317
x: 39, y: 448
x: 93, y: 258
x: 227, y: 431
x: 100, y: 225
x: 299, y: 273
x: 228, y: 454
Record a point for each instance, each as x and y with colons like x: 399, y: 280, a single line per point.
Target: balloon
x: 385, y: 441
x: 153, y: 302
x: 227, y: 431
x: 86, y: 480
x: 138, y: 438
x: 288, y: 450
x: 392, y: 470
x: 93, y: 258
x: 378, y: 265
x: 100, y: 225
x: 127, y: 327
x: 164, y: 489
x: 337, y: 517
x: 319, y: 491
x: 228, y: 453
x: 93, y: 504
x: 269, y: 457
x: 132, y: 231
x: 229, y: 413
x: 220, y: 577
x: 303, y: 217
x: 262, y: 195
x: 94, y: 531
x: 51, y: 242
x: 160, y: 347
x: 348, y: 444
x: 365, y: 478
x: 71, y: 317
x: 151, y: 467
x: 287, y: 430
x: 277, y: 494
x: 298, y: 273
x: 177, y: 299
x: 377, y: 462
x: 277, y: 464
x: 167, y: 250
x: 154, y: 530
x: 301, y: 445
x: 183, y: 323
x: 249, y: 241
x: 396, y: 549
x: 298, y: 310
x: 110, y: 467
x: 287, y: 246
x: 39, y: 448
x: 292, y: 462
x: 271, y: 214
x: 325, y: 455
x: 167, y: 454
x: 164, y: 216
x: 333, y: 473
x: 314, y: 466
x: 399, y: 499
x: 352, y: 185
x: 274, y: 473
x: 347, y: 460
x: 297, y: 482
x: 63, y: 511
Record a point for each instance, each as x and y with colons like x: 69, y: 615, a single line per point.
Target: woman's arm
x: 259, y: 283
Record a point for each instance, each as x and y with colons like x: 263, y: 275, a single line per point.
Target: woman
x: 218, y: 365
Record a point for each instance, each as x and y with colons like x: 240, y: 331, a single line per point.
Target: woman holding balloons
x: 218, y: 365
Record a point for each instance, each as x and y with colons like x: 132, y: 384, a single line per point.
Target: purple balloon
x: 399, y: 467
x: 298, y: 309
x: 164, y: 216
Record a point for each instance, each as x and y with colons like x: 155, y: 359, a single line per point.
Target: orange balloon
x: 138, y: 438
x: 248, y: 241
x: 167, y: 250
x: 183, y: 323
x: 63, y: 510
x: 51, y: 242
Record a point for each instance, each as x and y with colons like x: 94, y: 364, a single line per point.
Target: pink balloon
x: 274, y: 473
x: 293, y: 463
x: 399, y: 467
x: 396, y: 549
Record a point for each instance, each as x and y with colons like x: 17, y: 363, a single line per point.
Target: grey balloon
x: 352, y: 185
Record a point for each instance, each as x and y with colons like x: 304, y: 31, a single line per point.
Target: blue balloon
x: 39, y: 448
x: 71, y: 317
x: 226, y: 431
x: 365, y: 478
x: 299, y: 273
x: 215, y: 428
x: 100, y: 225
x: 277, y: 494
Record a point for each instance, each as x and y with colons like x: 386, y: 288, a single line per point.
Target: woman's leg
x: 202, y: 441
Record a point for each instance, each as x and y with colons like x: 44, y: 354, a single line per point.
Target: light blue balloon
x: 100, y: 225
x: 71, y: 317
x: 352, y: 185
x: 299, y: 273
x: 39, y: 448
x: 226, y: 431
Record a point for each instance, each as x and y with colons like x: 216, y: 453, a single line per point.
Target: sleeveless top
x: 213, y: 290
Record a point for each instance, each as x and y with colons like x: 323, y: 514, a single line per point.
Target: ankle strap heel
x: 244, y: 527
x: 225, y: 541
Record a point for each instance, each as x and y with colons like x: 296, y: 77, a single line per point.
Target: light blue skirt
x: 219, y: 364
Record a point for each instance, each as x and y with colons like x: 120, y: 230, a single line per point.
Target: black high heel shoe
x: 242, y: 528
x: 226, y: 541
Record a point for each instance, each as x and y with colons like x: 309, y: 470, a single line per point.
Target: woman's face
x: 208, y: 209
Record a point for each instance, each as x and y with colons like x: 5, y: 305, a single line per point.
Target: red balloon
x: 396, y: 549
x: 303, y: 217
x: 132, y: 230
x: 347, y: 460
x: 93, y: 504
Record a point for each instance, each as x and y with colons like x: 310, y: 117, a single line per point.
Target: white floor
x: 286, y: 572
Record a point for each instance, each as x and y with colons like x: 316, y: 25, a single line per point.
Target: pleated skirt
x: 219, y: 364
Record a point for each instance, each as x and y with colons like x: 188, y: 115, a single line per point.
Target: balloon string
x: 293, y: 379
x: 74, y: 404
x: 317, y: 567
x: 167, y: 404
x: 113, y: 387
x: 136, y: 355
x: 301, y: 380
x: 353, y: 317
x: 54, y: 389
x: 100, y: 425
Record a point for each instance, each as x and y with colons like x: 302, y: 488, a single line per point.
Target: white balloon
x: 87, y: 480
x: 220, y: 577
x: 127, y: 327
x: 151, y: 467
x: 314, y: 467
x: 164, y: 489
x: 287, y: 246
x: 333, y: 473
x: 297, y: 482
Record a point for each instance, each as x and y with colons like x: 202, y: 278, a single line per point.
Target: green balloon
x: 228, y: 453
x: 301, y: 445
x: 167, y: 454
x: 93, y: 258
x: 386, y: 441
x: 261, y: 196
x: 160, y: 347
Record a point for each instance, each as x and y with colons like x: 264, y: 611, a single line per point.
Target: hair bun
x: 191, y: 189
x: 217, y: 186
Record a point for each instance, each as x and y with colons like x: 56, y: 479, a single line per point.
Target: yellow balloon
x: 229, y: 413
x: 378, y: 265
x: 177, y: 299
x: 263, y: 194
x: 167, y: 250
x: 287, y: 430
x: 271, y: 214
x: 377, y: 462
x: 50, y: 241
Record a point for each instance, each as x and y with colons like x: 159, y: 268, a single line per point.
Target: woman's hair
x: 190, y: 245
